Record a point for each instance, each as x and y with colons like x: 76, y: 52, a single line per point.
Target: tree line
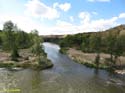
x: 110, y: 41
x: 12, y: 39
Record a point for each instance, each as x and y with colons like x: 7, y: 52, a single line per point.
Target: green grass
x: 92, y: 65
x: 7, y: 65
x: 34, y: 65
x: 63, y: 50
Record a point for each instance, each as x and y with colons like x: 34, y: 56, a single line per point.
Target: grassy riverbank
x: 26, y: 60
x: 88, y: 59
x: 103, y: 49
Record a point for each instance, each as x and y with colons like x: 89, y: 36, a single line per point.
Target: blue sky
x: 63, y: 16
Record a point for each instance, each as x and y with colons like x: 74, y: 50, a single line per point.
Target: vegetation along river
x: 65, y: 77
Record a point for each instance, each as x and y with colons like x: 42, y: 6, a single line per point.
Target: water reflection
x: 65, y: 77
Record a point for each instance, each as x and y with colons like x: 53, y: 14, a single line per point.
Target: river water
x: 65, y: 77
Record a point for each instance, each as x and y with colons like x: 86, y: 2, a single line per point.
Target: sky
x: 58, y: 17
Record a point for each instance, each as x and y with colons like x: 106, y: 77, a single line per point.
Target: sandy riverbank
x: 89, y: 58
x: 26, y: 60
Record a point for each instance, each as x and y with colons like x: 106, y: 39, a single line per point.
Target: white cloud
x: 84, y: 16
x: 24, y: 23
x: 63, y: 23
x: 27, y: 24
x: 71, y: 18
x: 62, y: 27
x: 95, y: 25
x: 65, y: 7
x: 99, y: 0
x: 103, y: 24
x: 55, y: 4
x: 122, y: 15
x: 36, y: 8
x: 94, y: 13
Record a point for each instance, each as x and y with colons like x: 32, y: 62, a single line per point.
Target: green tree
x: 119, y: 47
x: 37, y: 48
x: 95, y: 45
x: 9, y: 39
x: 23, y: 39
x: 1, y: 39
x: 85, y: 43
x: 111, y: 42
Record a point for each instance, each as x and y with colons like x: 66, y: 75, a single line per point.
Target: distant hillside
x: 85, y: 41
x: 52, y: 38
x: 115, y: 31
x: 118, y: 30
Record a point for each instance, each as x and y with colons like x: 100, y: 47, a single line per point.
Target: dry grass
x: 4, y: 56
x: 90, y: 57
x: 26, y: 60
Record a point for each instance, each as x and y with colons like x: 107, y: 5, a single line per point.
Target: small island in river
x: 26, y: 60
x: 21, y: 49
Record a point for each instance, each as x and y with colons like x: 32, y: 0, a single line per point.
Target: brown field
x: 90, y: 57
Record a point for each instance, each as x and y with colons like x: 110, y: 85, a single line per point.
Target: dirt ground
x: 25, y: 55
x: 90, y: 57
x: 3, y: 56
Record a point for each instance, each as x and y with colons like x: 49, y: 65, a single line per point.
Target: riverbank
x: 26, y: 60
x: 88, y: 59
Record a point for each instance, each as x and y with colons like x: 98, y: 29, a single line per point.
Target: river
x: 65, y: 77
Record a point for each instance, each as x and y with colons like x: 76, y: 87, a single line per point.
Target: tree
x: 23, y: 39
x: 67, y: 41
x: 0, y: 39
x: 37, y: 48
x: 119, y: 47
x: 85, y: 43
x: 111, y: 42
x: 9, y: 39
x: 95, y: 45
